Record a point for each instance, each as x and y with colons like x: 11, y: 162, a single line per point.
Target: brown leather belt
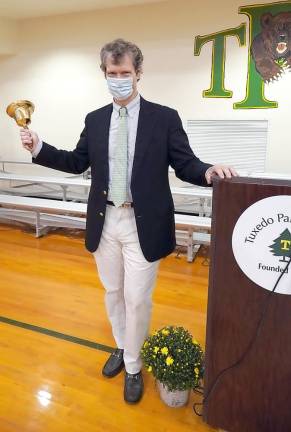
x: 124, y: 205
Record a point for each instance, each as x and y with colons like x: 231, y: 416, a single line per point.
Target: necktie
x: 119, y: 177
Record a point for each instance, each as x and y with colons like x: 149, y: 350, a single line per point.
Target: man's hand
x: 29, y: 139
x: 222, y: 171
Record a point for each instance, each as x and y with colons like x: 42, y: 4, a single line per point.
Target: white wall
x: 9, y: 33
x: 57, y: 67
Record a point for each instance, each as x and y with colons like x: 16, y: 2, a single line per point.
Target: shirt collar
x: 132, y: 107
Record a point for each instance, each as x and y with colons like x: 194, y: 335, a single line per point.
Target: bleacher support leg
x: 39, y: 230
x: 190, y: 246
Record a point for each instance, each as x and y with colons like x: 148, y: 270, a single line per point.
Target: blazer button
x: 101, y: 214
x: 104, y: 193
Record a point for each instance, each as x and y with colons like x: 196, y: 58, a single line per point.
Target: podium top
x: 253, y: 180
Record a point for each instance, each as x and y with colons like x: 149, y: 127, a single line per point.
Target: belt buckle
x: 126, y: 205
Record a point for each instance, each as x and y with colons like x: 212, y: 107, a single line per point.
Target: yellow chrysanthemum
x: 156, y: 349
x: 196, y: 370
x: 165, y: 332
x: 169, y: 361
x: 164, y: 351
x: 150, y: 369
x: 195, y: 342
x: 145, y: 344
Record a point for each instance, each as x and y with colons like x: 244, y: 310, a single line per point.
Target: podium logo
x: 282, y: 246
x: 261, y: 243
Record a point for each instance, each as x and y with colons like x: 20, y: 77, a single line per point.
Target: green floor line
x: 58, y: 335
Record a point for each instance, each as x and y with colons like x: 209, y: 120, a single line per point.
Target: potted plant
x: 176, y: 361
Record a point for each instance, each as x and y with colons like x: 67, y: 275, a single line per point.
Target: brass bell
x: 21, y: 111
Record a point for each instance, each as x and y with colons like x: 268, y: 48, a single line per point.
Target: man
x: 129, y: 145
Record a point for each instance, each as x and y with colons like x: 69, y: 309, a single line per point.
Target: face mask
x: 120, y: 88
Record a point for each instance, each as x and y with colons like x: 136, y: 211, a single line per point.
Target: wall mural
x: 269, y: 52
x: 271, y: 48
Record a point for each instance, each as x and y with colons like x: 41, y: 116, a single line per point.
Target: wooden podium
x: 255, y: 395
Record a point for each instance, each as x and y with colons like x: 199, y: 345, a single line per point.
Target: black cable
x: 198, y: 390
x: 249, y: 347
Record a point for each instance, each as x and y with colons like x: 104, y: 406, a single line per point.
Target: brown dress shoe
x: 133, y: 387
x: 114, y: 364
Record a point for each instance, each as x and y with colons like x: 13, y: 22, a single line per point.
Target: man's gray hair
x: 117, y: 49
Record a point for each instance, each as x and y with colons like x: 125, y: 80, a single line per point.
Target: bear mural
x: 271, y: 49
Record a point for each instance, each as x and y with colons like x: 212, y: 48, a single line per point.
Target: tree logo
x: 282, y: 246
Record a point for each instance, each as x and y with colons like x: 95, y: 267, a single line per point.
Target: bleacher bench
x: 72, y: 214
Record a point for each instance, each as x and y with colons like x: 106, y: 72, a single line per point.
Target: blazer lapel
x: 102, y: 125
x: 144, y: 132
x: 103, y: 129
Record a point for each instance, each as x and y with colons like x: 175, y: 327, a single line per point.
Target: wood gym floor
x: 55, y: 338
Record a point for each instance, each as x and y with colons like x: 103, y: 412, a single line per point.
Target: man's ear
x: 266, y: 20
x: 138, y: 75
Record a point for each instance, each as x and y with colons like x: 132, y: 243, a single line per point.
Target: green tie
x: 119, y: 178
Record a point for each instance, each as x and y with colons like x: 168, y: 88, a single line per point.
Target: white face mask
x: 120, y: 88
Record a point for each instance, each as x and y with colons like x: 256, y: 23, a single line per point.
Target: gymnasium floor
x: 55, y: 338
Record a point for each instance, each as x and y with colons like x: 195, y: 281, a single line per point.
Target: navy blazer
x: 160, y: 142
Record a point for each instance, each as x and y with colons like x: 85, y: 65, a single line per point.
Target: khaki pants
x: 128, y: 279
